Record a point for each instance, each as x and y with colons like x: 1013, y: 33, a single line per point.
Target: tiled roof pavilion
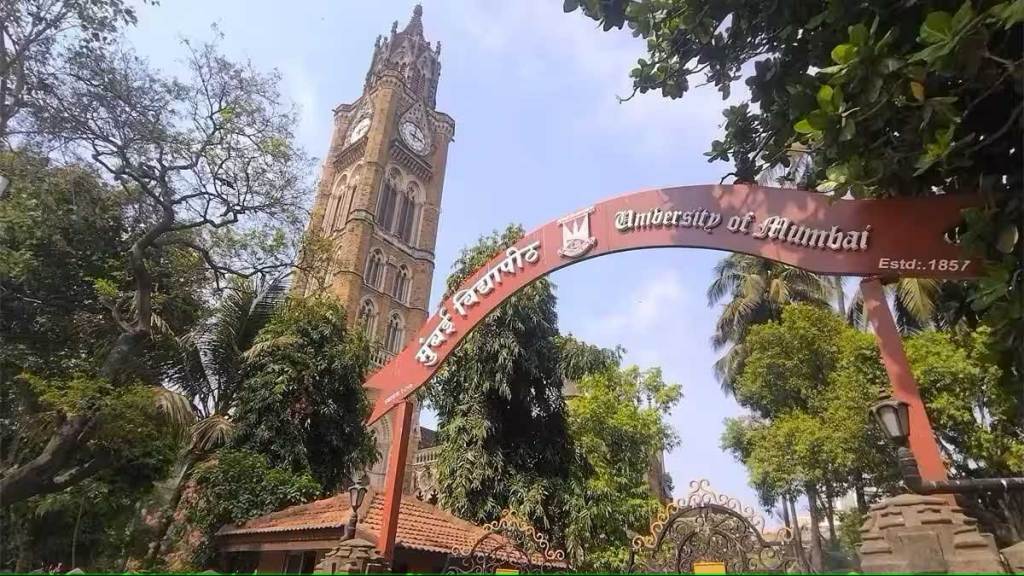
x: 321, y: 524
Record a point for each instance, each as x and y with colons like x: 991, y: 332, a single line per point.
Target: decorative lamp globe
x: 893, y: 417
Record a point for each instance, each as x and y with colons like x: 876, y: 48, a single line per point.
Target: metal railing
x: 427, y: 456
x: 379, y: 356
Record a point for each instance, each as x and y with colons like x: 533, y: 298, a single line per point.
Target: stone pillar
x: 915, y: 533
x: 352, y: 556
x: 1014, y: 556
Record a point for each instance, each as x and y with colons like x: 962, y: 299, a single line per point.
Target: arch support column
x: 397, y: 454
x: 904, y: 387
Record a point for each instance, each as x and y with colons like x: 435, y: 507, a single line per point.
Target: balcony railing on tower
x: 379, y: 356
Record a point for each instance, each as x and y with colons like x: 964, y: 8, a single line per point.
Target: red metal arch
x: 868, y: 238
x: 893, y: 237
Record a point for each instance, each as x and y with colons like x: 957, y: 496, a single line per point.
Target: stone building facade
x: 379, y: 201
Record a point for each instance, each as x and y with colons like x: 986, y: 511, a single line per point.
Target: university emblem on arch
x: 576, y: 238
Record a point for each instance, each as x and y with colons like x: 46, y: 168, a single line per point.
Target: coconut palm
x: 755, y: 290
x: 915, y: 303
x: 206, y: 370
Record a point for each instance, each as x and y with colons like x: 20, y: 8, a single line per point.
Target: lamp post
x: 893, y: 417
x: 356, y: 494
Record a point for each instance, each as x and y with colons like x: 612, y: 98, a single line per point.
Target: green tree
x: 63, y: 234
x: 31, y: 35
x: 501, y: 414
x: 757, y: 290
x: 209, y: 173
x: 238, y: 485
x: 974, y: 418
x: 618, y: 423
x: 207, y: 369
x: 810, y: 380
x: 131, y: 445
x: 302, y: 402
x: 887, y: 98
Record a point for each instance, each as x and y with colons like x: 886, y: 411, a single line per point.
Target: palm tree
x: 206, y: 371
x: 915, y: 303
x: 756, y: 290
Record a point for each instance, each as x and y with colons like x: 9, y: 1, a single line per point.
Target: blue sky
x: 539, y: 133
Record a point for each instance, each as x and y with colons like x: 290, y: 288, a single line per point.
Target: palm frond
x: 212, y: 432
x: 268, y: 344
x: 915, y: 301
x: 176, y: 409
x: 855, y: 315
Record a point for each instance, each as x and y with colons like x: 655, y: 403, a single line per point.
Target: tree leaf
x: 937, y: 27
x: 838, y: 173
x: 858, y: 34
x: 917, y: 89
x: 963, y: 16
x: 818, y: 120
x: 848, y: 130
x: 844, y: 53
x: 825, y: 98
x: 804, y: 127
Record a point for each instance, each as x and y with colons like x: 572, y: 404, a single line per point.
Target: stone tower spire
x: 408, y: 53
x: 379, y: 201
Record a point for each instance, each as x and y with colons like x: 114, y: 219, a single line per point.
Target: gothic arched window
x: 334, y: 203
x: 400, y: 285
x: 393, y: 338
x: 388, y: 199
x: 407, y: 213
x: 375, y: 269
x: 368, y: 317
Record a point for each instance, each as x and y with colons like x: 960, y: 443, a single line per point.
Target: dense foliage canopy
x: 870, y: 99
x: 302, y: 403
x: 501, y: 414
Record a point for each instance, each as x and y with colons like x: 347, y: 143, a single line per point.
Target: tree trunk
x: 817, y: 560
x: 167, y: 518
x: 49, y: 471
x: 858, y: 491
x: 123, y: 353
x: 52, y: 470
x: 74, y: 535
x: 785, y: 513
x: 830, y: 515
x: 24, y: 562
x: 798, y: 539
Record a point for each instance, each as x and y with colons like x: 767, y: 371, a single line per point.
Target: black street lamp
x: 356, y: 494
x: 893, y: 417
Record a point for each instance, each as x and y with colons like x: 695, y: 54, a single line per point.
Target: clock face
x: 414, y: 137
x: 359, y: 129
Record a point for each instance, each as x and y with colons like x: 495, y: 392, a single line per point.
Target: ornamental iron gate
x: 707, y: 527
x: 510, y: 544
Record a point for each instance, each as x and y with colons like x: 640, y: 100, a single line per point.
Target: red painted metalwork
x: 904, y: 387
x: 906, y: 234
x: 393, y: 481
x: 907, y: 238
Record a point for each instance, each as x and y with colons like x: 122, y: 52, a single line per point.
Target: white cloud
x: 645, y: 307
x: 549, y: 46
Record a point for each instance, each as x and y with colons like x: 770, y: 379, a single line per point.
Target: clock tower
x: 379, y: 200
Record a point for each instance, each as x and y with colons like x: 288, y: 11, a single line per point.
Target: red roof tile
x: 420, y: 525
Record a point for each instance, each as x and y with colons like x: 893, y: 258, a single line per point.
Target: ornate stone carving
x: 352, y: 556
x: 915, y: 533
